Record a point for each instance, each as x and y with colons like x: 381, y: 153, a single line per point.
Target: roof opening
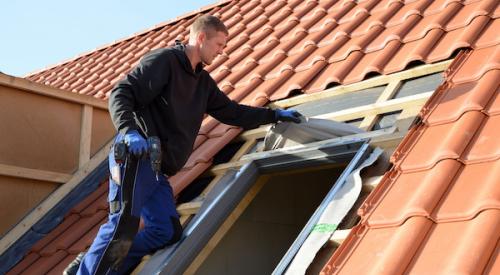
x: 414, y: 63
x: 331, y: 85
x: 227, y: 152
x: 371, y: 74
x: 295, y: 92
x: 269, y: 225
x: 193, y: 190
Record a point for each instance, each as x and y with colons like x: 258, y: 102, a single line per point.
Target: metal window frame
x: 235, y: 184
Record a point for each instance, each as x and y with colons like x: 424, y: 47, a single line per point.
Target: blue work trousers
x: 153, y: 201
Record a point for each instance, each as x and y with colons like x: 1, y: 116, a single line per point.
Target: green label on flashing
x: 324, y: 228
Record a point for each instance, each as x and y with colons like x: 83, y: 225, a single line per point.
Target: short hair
x: 206, y: 23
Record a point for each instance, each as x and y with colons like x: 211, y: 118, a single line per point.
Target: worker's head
x: 209, y: 36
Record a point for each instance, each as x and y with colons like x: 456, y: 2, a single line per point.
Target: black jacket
x: 162, y: 96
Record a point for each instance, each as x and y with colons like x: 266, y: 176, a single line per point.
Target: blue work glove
x: 288, y: 115
x: 137, y: 145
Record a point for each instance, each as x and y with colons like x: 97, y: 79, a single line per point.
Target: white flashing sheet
x: 334, y: 213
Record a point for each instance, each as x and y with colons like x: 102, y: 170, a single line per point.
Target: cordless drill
x: 154, y: 153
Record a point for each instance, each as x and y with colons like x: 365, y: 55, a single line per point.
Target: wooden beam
x: 377, y: 108
x: 254, y: 133
x: 370, y: 183
x: 228, y: 223
x: 184, y: 219
x: 85, y: 135
x: 356, y: 112
x: 220, y: 169
x: 369, y: 83
x: 211, y: 185
x: 52, y: 200
x: 339, y: 236
x: 28, y: 173
x: 389, y: 91
x: 45, y: 90
x: 244, y: 149
x: 189, y: 208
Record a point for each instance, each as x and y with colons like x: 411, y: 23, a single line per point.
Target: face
x: 211, y: 46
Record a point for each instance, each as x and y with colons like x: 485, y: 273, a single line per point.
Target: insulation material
x: 336, y: 210
x: 287, y: 134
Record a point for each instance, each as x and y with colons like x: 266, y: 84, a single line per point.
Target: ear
x: 201, y: 37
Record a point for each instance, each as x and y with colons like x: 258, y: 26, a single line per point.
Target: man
x: 165, y: 95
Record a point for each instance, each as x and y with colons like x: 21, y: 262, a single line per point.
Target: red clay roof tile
x: 81, y: 206
x: 454, y: 248
x: 494, y: 105
x: 74, y: 233
x: 445, y: 141
x: 65, y: 224
x: 485, y: 145
x: 83, y: 243
x: 26, y: 262
x: 461, y: 98
x: 376, y: 249
x: 418, y: 195
x: 45, y: 264
x: 490, y: 58
x: 443, y: 188
x: 468, y: 195
x: 494, y: 264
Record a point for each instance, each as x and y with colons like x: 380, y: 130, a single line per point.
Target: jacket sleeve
x: 229, y: 112
x: 137, y: 89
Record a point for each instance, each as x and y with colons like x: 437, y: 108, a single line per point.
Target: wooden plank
x: 369, y: 83
x: 339, y: 236
x: 184, y: 219
x: 189, y: 208
x: 244, y: 149
x: 254, y: 133
x: 45, y: 90
x: 370, y: 183
x: 43, y: 208
x: 389, y: 92
x: 220, y: 169
x: 85, y: 135
x: 228, y: 223
x: 357, y: 112
x: 28, y: 173
x: 407, y: 116
x: 377, y: 108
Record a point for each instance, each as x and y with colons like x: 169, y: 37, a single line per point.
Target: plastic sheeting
x: 334, y: 213
x: 287, y: 134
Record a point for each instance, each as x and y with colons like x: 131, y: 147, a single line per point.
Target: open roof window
x: 252, y: 214
x: 330, y: 161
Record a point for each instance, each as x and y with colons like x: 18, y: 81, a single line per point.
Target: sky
x: 37, y: 34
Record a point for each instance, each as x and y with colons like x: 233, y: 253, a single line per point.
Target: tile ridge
x: 467, y: 217
x: 359, y: 232
x: 390, y: 178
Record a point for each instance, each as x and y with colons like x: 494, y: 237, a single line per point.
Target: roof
x: 438, y: 213
x: 277, y: 48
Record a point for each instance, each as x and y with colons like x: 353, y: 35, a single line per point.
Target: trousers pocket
x: 113, y: 190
